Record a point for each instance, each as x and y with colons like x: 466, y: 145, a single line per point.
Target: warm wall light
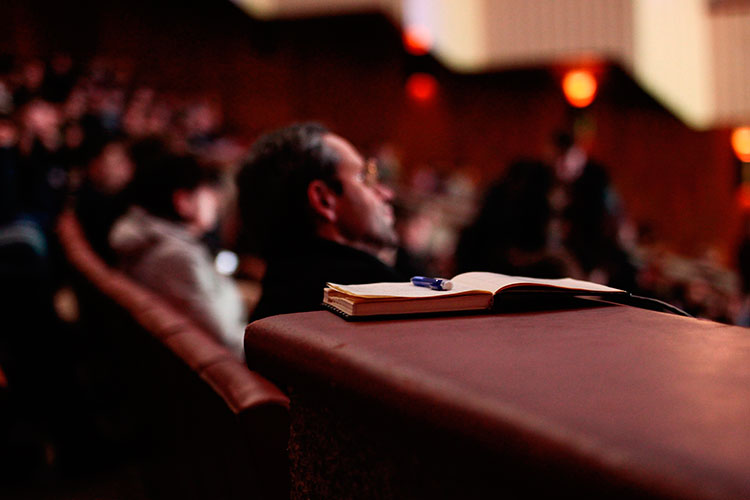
x: 743, y: 197
x: 417, y: 40
x: 421, y: 86
x: 579, y: 87
x: 741, y: 143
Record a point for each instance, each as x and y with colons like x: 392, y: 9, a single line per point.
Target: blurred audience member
x: 42, y: 175
x: 30, y: 83
x: 23, y: 242
x: 509, y: 235
x: 157, y: 242
x: 589, y: 216
x: 317, y: 213
x: 59, y: 78
x: 200, y: 124
x: 101, y: 199
x: 135, y: 117
x: 73, y: 153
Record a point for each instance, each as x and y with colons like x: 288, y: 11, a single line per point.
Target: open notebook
x: 470, y: 292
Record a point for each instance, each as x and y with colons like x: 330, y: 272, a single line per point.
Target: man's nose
x: 385, y: 192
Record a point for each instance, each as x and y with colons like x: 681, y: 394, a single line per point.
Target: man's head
x: 111, y: 167
x: 303, y: 181
x: 178, y: 188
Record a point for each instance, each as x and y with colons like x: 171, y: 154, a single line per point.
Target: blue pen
x: 434, y: 283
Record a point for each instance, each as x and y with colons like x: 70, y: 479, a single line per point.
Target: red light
x: 579, y: 87
x: 741, y: 143
x: 743, y: 197
x: 417, y: 40
x: 421, y: 86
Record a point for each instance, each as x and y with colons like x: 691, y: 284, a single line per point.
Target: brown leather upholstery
x: 657, y: 401
x: 162, y: 321
x: 197, y: 350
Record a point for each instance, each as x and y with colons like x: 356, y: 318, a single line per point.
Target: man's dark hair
x: 91, y: 149
x: 159, y: 174
x: 273, y: 182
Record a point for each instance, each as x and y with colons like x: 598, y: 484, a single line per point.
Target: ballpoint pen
x: 433, y: 283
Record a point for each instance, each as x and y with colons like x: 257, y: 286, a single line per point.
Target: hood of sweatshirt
x: 137, y: 232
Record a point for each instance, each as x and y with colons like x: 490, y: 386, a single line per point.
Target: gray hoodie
x: 165, y: 257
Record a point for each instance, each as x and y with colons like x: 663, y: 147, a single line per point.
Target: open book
x: 471, y: 291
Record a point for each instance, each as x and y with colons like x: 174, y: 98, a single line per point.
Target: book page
x: 399, y: 290
x: 466, y: 283
x: 494, y: 282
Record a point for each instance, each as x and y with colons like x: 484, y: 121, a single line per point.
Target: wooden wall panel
x: 730, y: 31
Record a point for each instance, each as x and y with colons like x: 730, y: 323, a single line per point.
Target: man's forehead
x: 348, y: 155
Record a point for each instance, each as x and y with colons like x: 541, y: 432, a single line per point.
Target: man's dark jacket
x: 294, y: 281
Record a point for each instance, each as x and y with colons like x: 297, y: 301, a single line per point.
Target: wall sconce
x: 741, y: 143
x: 579, y: 87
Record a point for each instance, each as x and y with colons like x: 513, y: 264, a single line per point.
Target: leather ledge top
x: 659, y: 400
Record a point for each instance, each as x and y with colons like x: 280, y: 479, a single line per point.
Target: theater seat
x: 168, y: 357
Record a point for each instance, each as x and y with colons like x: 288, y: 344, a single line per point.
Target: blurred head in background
x: 111, y: 169
x: 179, y: 189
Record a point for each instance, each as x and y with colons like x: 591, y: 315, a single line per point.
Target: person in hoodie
x: 158, y: 243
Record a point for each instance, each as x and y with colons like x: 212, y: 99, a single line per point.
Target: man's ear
x: 322, y: 200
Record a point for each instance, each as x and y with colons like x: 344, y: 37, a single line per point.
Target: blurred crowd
x: 74, y: 134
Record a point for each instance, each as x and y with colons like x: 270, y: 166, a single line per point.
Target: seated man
x: 157, y: 242
x: 317, y: 212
